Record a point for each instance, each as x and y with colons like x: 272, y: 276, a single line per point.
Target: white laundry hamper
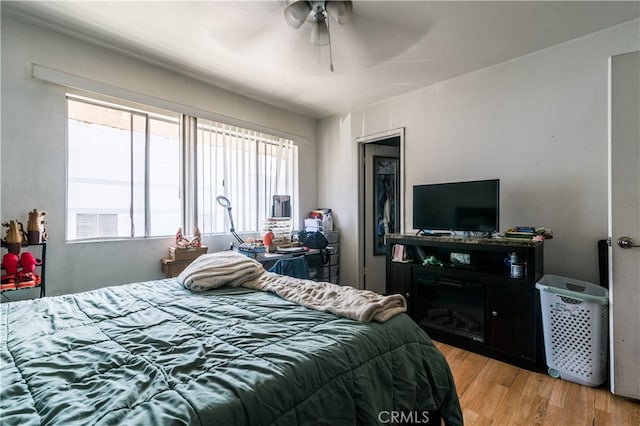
x: 575, y: 323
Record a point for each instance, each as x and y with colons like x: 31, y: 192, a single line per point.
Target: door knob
x: 627, y: 242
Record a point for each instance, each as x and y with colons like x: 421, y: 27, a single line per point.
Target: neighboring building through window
x: 96, y: 225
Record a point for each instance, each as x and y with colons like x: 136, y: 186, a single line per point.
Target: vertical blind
x: 247, y: 167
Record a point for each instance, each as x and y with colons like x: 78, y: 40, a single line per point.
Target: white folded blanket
x: 230, y: 268
x: 220, y: 268
x: 345, y: 301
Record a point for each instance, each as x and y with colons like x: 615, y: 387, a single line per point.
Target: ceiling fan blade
x: 319, y: 33
x: 296, y: 12
x: 340, y: 11
x: 362, y: 42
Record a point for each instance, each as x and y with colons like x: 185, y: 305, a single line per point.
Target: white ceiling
x: 388, y: 48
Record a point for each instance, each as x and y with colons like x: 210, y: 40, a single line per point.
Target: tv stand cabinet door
x: 507, y: 301
x: 399, y: 281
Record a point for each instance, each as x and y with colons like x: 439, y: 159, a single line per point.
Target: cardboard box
x: 172, y: 268
x: 189, y: 253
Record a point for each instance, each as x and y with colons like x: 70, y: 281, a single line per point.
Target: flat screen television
x: 457, y: 206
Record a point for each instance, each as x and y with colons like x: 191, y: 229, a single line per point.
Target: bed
x: 158, y: 353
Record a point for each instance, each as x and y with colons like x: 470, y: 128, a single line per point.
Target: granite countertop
x: 518, y: 242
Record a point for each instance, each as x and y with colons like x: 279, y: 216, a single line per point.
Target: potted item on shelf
x: 36, y: 233
x: 14, y: 236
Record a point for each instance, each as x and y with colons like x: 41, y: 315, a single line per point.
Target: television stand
x: 472, y: 301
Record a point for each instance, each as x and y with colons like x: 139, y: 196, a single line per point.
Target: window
x: 142, y: 173
x: 122, y: 163
x: 245, y: 166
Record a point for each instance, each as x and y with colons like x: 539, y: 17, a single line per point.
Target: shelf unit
x: 476, y: 305
x: 40, y: 269
x: 327, y: 267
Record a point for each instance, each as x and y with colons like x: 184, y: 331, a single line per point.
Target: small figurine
x: 181, y: 241
x: 196, y: 241
x: 184, y: 242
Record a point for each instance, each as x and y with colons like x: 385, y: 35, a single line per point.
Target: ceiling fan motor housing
x: 298, y: 11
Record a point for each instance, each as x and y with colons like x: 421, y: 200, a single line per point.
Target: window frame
x: 149, y: 113
x: 188, y: 184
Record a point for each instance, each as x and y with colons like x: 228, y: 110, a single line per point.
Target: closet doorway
x: 380, y: 203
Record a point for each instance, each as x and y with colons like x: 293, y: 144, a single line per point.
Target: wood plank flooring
x: 494, y: 393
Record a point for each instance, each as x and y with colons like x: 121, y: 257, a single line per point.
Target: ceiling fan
x: 317, y: 13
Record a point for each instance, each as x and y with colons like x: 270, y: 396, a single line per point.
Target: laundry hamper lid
x: 573, y: 288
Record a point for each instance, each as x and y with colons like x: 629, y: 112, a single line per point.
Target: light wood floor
x: 494, y: 393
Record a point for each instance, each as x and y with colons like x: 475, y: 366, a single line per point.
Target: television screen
x: 457, y: 206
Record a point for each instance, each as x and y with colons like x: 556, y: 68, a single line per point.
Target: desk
x: 268, y: 259
x: 172, y: 267
x: 321, y: 268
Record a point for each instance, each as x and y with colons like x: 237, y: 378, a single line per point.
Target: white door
x: 374, y: 264
x: 624, y: 221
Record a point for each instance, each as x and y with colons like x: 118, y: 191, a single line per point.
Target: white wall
x: 538, y: 123
x: 34, y: 157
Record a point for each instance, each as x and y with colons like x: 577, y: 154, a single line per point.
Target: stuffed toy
x: 20, y: 271
x: 10, y: 263
x: 27, y: 277
x: 28, y: 262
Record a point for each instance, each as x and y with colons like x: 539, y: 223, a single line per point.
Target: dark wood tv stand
x: 477, y: 306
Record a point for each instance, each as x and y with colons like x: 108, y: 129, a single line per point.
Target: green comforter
x: 155, y: 353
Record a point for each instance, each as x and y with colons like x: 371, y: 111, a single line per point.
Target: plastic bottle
x: 517, y: 268
x: 327, y: 221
